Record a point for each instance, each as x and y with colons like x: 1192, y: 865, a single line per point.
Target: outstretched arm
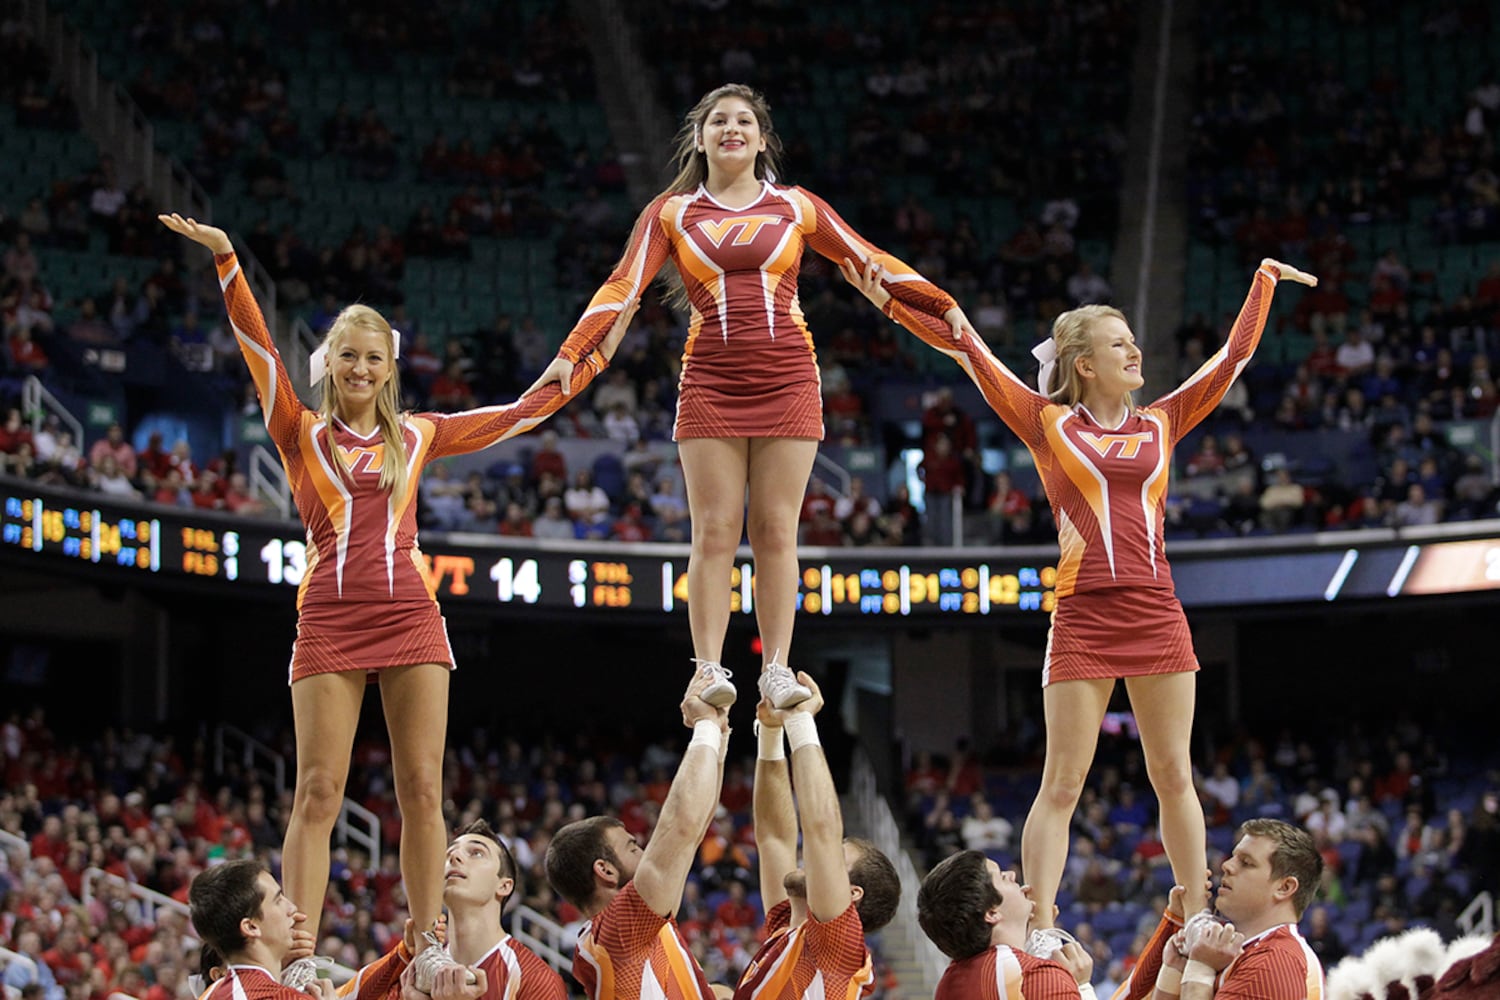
x: 278, y: 400
x: 835, y: 239
x: 475, y: 430
x: 775, y: 812
x: 664, y: 866
x: 1196, y: 398
x: 1013, y: 401
x: 818, y: 806
x: 643, y: 258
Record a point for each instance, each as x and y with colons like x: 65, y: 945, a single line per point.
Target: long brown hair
x: 393, y: 472
x: 691, y: 164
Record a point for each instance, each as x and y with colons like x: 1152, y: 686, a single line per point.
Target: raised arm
x: 1013, y: 401
x: 643, y: 258
x: 690, y: 804
x: 475, y: 430
x: 818, y: 808
x: 1196, y: 398
x: 775, y: 813
x: 278, y: 400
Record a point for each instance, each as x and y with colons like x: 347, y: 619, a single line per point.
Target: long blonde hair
x: 691, y: 164
x: 1073, y: 332
x: 393, y: 472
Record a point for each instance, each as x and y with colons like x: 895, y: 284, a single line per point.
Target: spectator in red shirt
x: 154, y: 460
x: 736, y: 911
x: 631, y: 526
x: 14, y: 433
x: 25, y: 353
x: 451, y: 390
x: 548, y: 460
x: 113, y: 443
x: 516, y: 523
x: 943, y: 473
x: 1010, y: 510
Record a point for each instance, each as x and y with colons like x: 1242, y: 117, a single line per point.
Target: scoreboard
x: 49, y: 528
x: 55, y: 526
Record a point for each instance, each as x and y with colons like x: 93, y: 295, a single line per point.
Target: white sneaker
x: 720, y: 693
x: 1046, y: 940
x: 300, y: 974
x: 432, y: 959
x: 781, y: 687
x: 1196, y: 925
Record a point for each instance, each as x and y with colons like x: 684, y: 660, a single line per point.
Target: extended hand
x: 1076, y: 959
x: 867, y: 281
x: 452, y: 983
x: 303, y: 944
x: 611, y: 341
x: 559, y: 371
x: 955, y: 318
x: 811, y: 706
x: 1290, y: 273
x: 1217, y: 946
x: 199, y: 232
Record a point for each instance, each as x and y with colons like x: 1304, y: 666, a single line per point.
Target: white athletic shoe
x: 781, y: 687
x: 300, y: 974
x: 720, y: 693
x: 1046, y: 940
x: 1196, y: 925
x: 431, y: 960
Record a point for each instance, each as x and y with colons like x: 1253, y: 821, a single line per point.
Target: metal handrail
x: 544, y: 936
x: 268, y: 481
x: 873, y: 814
x: 150, y: 899
x: 1495, y: 449
x: 250, y: 748
x: 16, y: 843
x: 360, y: 825
x: 34, y: 397
x: 120, y: 126
x: 1479, y: 916
x: 16, y: 958
x: 834, y: 471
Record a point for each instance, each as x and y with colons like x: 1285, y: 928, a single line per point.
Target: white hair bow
x: 1046, y: 353
x: 317, y: 363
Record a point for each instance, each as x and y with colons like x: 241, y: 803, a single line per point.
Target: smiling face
x: 1116, y: 361
x: 731, y: 135
x: 360, y: 365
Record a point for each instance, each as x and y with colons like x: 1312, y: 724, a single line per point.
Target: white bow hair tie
x: 1046, y: 353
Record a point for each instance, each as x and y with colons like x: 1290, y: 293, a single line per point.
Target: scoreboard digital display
x: 471, y: 568
x: 55, y: 526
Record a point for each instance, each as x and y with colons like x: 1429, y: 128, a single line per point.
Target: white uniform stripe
x: 697, y: 251
x: 335, y: 476
x: 228, y: 279
x: 1147, y: 511
x: 1106, y: 525
x: 265, y: 355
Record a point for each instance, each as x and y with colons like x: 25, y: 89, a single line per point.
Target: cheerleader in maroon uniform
x: 365, y: 607
x: 1103, y: 461
x: 749, y: 411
